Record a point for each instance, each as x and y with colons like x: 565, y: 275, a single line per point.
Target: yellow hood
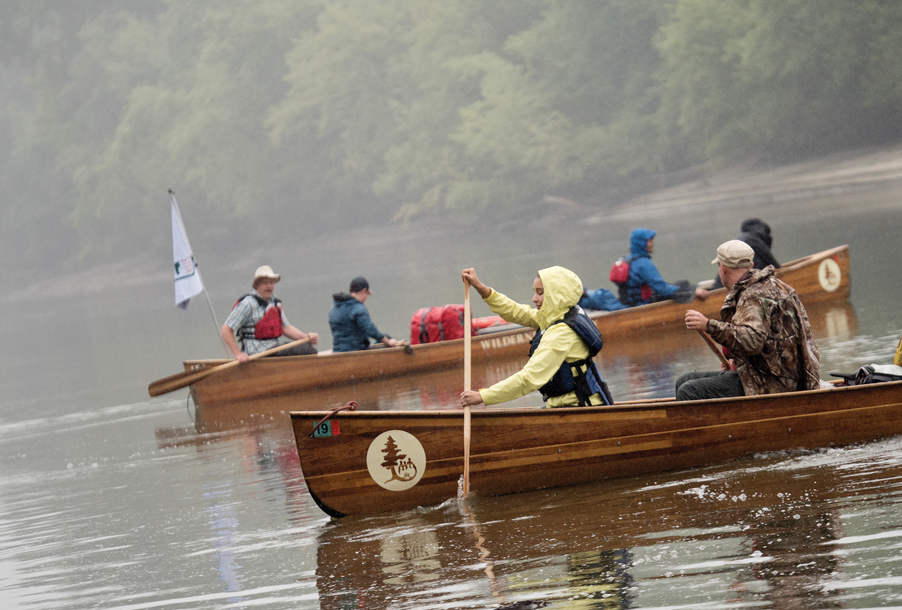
x: 563, y: 290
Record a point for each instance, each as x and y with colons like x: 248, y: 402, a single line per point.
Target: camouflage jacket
x: 766, y: 327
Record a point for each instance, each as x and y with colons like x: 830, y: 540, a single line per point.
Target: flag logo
x: 184, y: 267
x: 187, y: 278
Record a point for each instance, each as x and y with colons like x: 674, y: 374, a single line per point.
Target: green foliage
x: 773, y: 79
x: 883, y: 77
x: 187, y: 112
x: 272, y: 115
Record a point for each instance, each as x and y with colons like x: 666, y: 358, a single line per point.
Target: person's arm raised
x: 469, y: 276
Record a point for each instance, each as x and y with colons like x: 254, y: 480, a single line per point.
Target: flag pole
x: 186, y: 270
x: 218, y: 327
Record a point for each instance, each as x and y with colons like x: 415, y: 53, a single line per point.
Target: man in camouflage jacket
x: 765, y: 328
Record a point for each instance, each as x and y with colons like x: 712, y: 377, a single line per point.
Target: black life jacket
x: 269, y: 326
x: 582, y: 376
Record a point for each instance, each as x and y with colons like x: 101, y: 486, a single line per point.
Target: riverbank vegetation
x: 277, y: 118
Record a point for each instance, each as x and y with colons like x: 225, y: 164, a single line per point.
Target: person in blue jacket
x: 645, y: 284
x: 600, y: 299
x: 350, y: 321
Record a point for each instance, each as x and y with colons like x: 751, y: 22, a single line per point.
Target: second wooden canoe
x: 817, y: 278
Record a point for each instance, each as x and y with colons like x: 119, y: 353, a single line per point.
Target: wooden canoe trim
x: 515, y: 450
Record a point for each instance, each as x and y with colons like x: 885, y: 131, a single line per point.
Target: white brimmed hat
x: 735, y: 254
x: 265, y: 272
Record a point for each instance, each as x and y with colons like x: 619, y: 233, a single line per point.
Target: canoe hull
x: 515, y: 450
x: 817, y: 279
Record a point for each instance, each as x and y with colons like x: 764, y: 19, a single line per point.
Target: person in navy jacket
x: 350, y: 321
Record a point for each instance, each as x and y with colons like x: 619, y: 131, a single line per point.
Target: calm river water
x: 111, y: 500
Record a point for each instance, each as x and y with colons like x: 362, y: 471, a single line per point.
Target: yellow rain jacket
x: 563, y: 290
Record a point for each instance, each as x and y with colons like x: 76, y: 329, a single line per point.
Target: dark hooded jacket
x: 756, y: 233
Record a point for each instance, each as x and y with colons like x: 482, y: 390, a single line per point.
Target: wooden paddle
x: 715, y: 348
x: 465, y: 489
x: 186, y: 378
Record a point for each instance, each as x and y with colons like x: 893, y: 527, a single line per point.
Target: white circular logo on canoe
x: 396, y: 460
x: 829, y: 274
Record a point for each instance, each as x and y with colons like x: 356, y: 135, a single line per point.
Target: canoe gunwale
x: 654, y: 403
x: 580, y: 444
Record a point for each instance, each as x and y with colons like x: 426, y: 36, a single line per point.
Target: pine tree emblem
x: 402, y: 467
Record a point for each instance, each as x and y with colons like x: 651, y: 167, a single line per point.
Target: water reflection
x: 586, y: 579
x: 224, y: 522
x: 410, y: 557
x: 796, y: 544
x: 767, y: 532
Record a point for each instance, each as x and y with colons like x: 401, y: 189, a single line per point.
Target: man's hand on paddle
x: 696, y: 320
x: 296, y: 334
x: 469, y: 276
x: 470, y: 398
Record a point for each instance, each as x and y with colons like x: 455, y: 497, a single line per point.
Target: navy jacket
x: 351, y: 325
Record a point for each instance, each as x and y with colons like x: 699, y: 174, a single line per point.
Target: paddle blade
x: 176, y: 382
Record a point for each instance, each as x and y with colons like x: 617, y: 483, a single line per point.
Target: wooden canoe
x: 817, y: 278
x: 641, y: 356
x: 370, y: 461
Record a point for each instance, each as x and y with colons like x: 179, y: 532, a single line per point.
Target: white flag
x: 187, y: 277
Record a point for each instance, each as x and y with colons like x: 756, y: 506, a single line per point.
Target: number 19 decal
x: 327, y: 428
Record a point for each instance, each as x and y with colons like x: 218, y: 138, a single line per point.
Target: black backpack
x: 872, y: 373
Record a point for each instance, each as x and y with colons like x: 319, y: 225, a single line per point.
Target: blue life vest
x: 582, y: 376
x: 631, y: 293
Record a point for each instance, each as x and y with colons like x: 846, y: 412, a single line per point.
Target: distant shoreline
x: 842, y: 172
x: 865, y: 170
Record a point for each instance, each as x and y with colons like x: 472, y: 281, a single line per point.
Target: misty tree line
x: 278, y: 115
